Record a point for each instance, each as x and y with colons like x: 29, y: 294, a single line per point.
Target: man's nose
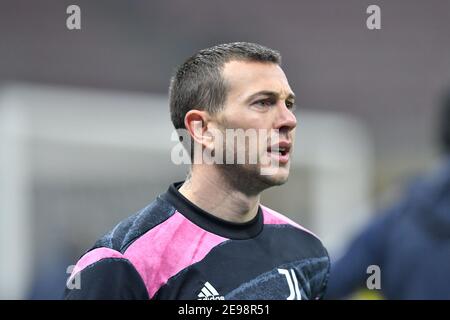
x: 286, y: 118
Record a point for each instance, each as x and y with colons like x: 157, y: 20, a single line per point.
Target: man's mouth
x: 280, y: 152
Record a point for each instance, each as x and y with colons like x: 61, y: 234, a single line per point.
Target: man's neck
x: 209, y: 190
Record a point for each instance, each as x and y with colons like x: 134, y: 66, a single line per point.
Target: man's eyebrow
x: 291, y: 96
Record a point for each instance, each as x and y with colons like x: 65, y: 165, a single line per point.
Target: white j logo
x: 292, y: 283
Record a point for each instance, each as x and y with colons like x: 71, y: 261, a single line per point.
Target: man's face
x: 259, y: 97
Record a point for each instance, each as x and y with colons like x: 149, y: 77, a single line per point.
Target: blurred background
x: 85, y: 132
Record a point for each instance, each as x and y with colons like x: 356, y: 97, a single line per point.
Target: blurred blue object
x: 410, y: 242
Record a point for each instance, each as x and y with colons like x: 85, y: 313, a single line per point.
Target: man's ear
x: 196, y: 122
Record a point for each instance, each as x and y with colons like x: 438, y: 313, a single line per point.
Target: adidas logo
x: 209, y: 293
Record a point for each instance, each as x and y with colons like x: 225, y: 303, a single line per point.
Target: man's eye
x: 264, y: 103
x: 290, y: 105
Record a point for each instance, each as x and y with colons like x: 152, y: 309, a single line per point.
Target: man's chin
x: 254, y: 179
x: 275, y: 176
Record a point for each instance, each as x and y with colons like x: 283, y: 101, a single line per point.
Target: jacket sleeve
x: 349, y: 273
x: 107, y: 279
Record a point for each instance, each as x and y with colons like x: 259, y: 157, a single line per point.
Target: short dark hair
x: 198, y: 82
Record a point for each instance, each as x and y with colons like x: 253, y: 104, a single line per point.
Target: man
x: 209, y: 237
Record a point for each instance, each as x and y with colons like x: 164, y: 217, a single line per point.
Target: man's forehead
x: 248, y: 76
